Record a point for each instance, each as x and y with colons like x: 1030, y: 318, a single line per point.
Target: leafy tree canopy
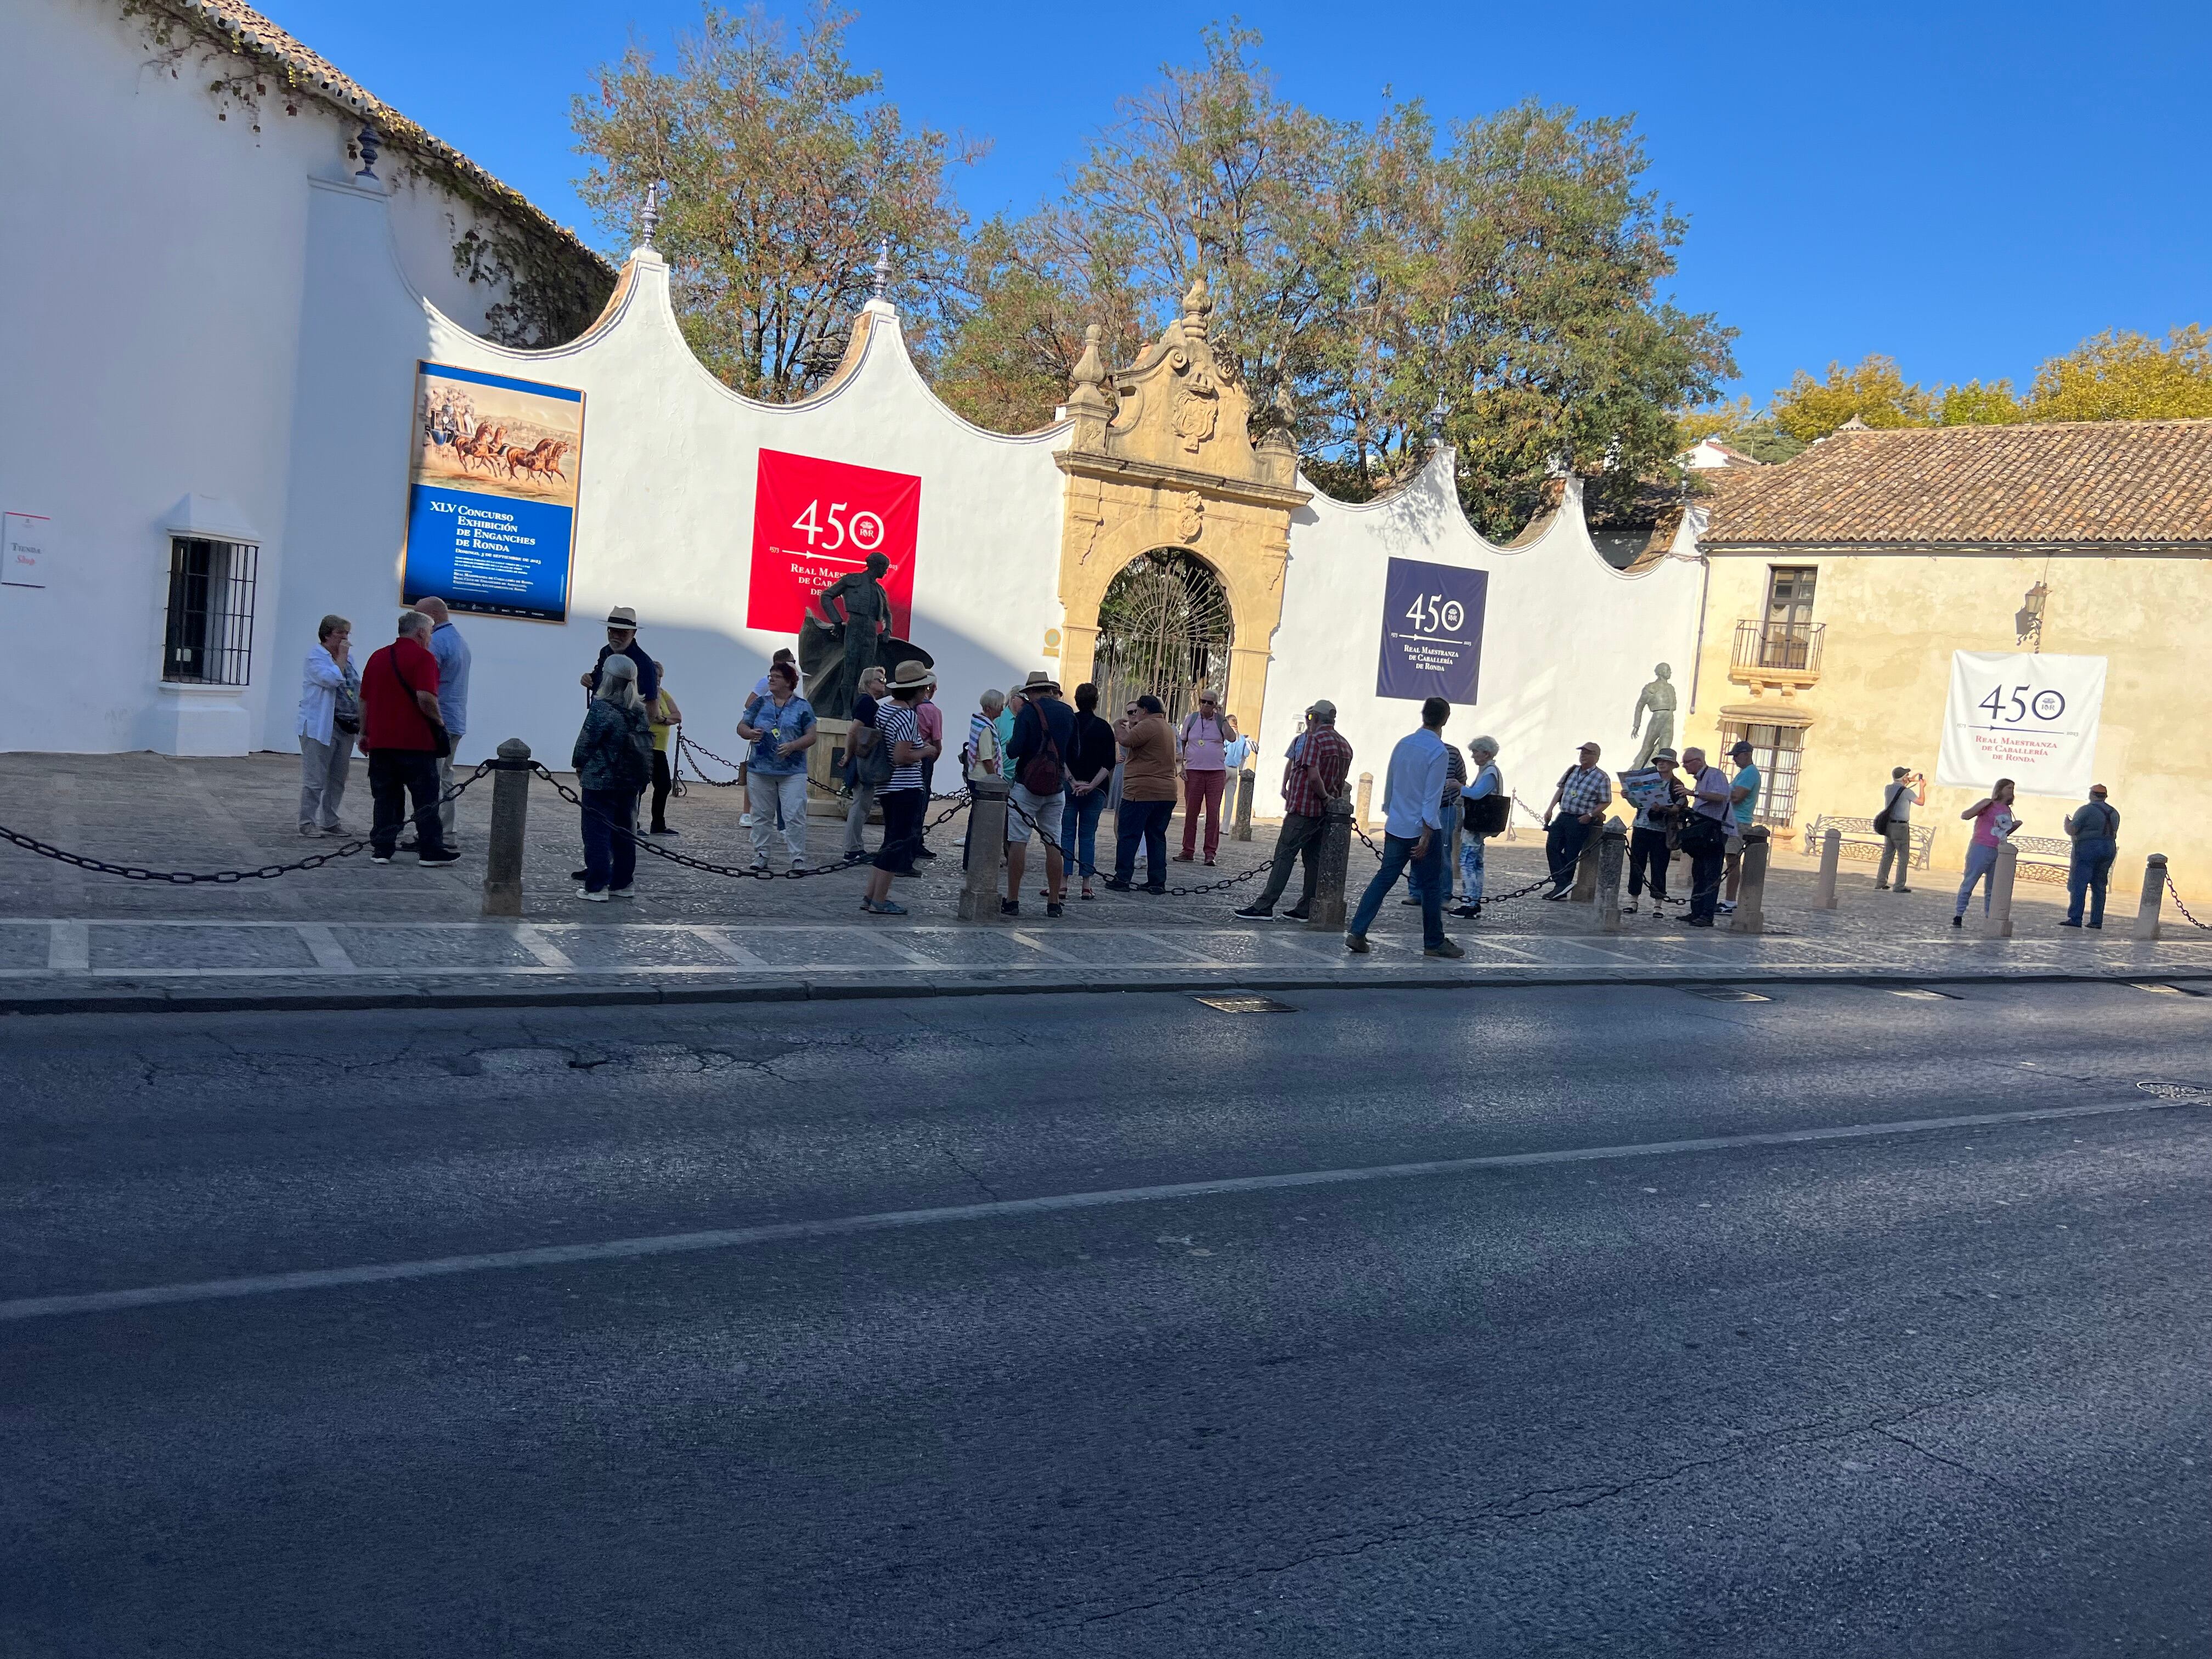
x: 787, y: 169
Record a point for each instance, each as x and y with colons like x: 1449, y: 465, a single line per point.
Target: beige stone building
x: 1839, y: 585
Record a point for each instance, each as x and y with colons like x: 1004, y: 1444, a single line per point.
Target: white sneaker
x: 799, y: 864
x: 1725, y: 906
x: 622, y: 892
x: 745, y: 822
x: 599, y: 897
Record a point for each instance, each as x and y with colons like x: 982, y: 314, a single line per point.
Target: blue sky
x: 1970, y: 188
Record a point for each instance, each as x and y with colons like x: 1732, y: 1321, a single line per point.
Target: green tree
x: 1977, y: 404
x: 787, y: 168
x: 2117, y: 376
x: 1360, y: 275
x: 1874, y: 392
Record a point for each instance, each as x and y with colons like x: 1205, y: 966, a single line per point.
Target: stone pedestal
x: 824, y: 761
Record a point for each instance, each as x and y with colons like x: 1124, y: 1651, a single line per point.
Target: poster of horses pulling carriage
x: 491, y: 510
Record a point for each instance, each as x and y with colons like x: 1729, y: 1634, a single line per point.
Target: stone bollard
x: 1832, y: 854
x: 510, y: 817
x: 1366, y: 796
x: 1586, y: 871
x: 1997, y: 923
x: 1612, y: 857
x: 1328, y: 910
x: 1244, y: 780
x: 2153, y: 896
x: 986, y: 849
x: 1751, y: 895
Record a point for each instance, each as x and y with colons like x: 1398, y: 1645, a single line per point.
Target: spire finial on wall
x: 649, y: 220
x: 368, y: 145
x: 883, y: 282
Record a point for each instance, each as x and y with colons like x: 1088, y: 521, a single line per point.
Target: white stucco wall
x: 1568, y: 640
x: 665, y: 503
x: 152, y: 290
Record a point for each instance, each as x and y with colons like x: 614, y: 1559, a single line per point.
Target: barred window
x: 209, y: 637
x: 1778, y: 752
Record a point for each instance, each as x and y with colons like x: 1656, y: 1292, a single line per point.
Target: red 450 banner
x: 816, y: 520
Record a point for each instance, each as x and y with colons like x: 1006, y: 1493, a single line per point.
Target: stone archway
x: 1173, y: 468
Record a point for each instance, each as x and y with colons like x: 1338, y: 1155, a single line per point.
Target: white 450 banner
x: 2031, y: 719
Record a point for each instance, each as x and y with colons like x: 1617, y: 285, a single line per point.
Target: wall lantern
x: 2027, y: 621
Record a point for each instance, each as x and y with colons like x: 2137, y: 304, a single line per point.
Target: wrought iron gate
x: 1163, y: 626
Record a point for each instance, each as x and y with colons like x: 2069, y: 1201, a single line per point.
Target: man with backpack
x: 1893, y: 824
x: 2094, y: 827
x: 1036, y: 760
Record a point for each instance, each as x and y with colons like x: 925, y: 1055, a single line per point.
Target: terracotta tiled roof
x: 246, y: 32
x: 2127, y: 482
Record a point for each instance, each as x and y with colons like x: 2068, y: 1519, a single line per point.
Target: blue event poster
x: 1431, y: 631
x: 491, y: 509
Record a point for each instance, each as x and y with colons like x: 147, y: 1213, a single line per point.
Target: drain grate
x: 2175, y: 1091
x: 1731, y: 994
x: 1245, y: 1002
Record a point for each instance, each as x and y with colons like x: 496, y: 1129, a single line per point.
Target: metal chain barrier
x: 2175, y: 893
x: 670, y: 855
x: 216, y: 878
x: 1089, y: 870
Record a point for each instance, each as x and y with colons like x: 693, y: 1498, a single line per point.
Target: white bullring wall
x: 1568, y: 640
x: 150, y: 322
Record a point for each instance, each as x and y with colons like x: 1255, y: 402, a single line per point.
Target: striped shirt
x: 896, y: 723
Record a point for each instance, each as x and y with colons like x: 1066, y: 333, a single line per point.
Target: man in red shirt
x: 400, y: 729
x: 1318, y: 760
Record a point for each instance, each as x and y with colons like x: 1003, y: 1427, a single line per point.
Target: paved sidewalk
x: 353, y: 933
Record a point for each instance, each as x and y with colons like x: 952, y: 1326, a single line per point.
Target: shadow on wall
x: 709, y: 674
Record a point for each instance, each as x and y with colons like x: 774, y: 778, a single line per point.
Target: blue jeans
x: 1078, y: 831
x: 1443, y: 867
x: 1981, y: 867
x: 1470, y: 867
x: 2088, y: 876
x: 1144, y: 821
x: 1397, y: 853
x: 609, y: 855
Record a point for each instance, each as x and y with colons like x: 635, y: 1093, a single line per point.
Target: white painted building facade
x: 224, y: 341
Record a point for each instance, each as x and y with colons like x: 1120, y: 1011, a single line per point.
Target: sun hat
x: 621, y: 617
x: 1038, y: 680
x: 912, y: 674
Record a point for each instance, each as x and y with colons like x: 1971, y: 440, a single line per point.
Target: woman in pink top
x: 1992, y: 819
x: 1203, y: 743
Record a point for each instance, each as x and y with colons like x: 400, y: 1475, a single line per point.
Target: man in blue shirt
x: 1413, y: 831
x: 451, y: 652
x: 1743, y: 792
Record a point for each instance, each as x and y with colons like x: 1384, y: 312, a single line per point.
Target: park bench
x: 1860, y: 842
x: 2044, y: 858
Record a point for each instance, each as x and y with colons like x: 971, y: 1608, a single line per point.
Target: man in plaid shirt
x: 1578, y: 803
x: 1320, y: 760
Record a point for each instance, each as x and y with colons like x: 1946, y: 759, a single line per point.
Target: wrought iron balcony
x: 1776, y: 653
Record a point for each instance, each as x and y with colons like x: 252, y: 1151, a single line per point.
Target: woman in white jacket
x: 329, y: 719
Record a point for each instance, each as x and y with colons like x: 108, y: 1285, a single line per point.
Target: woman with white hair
x: 613, y: 758
x: 1486, y: 805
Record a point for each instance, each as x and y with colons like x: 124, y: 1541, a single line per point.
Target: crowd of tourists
x: 406, y: 707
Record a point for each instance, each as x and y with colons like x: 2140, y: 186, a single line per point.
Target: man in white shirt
x: 1413, y: 832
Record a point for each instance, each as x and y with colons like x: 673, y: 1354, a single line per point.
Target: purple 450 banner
x: 1431, y: 631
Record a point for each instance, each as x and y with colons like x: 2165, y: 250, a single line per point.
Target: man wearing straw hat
x: 622, y: 637
x: 1036, y: 761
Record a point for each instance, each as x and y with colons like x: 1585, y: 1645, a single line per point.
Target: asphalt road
x: 866, y: 1329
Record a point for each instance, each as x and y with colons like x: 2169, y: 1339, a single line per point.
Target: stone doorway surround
x: 1175, y: 466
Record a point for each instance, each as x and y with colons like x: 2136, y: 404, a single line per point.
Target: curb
x: 580, y: 996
